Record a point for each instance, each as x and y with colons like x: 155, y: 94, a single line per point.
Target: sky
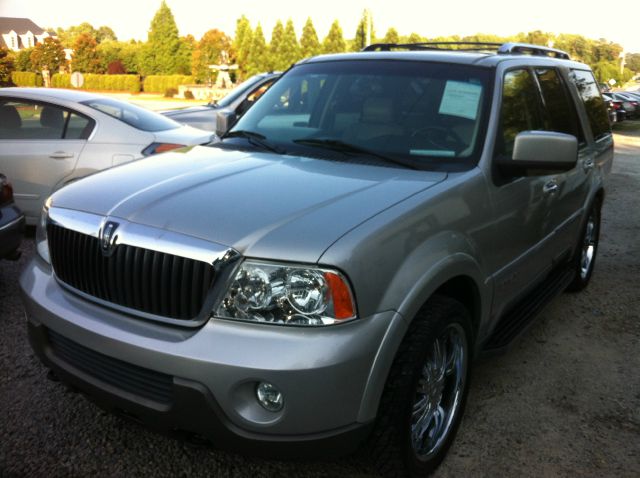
x: 131, y: 18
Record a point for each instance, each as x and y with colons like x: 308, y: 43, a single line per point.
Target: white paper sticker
x: 460, y: 99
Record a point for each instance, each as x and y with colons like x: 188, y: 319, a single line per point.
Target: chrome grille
x: 140, y: 279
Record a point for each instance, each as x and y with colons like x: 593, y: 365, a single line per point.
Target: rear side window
x: 25, y: 120
x: 559, y: 113
x: 519, y: 111
x: 593, y: 103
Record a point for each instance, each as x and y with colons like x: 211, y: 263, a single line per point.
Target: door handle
x: 61, y: 155
x: 588, y: 164
x: 550, y: 188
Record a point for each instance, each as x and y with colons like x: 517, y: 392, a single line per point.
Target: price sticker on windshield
x: 461, y: 99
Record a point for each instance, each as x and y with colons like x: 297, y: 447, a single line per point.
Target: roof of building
x: 18, y: 25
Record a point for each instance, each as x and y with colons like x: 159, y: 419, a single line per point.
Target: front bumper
x: 330, y: 377
x: 12, y: 223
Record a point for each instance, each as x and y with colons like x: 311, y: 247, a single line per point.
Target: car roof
x: 51, y: 93
x: 461, y: 57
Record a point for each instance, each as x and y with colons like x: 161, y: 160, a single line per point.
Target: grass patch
x: 626, y: 126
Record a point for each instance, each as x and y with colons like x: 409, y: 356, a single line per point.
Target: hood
x: 186, y: 111
x: 261, y: 204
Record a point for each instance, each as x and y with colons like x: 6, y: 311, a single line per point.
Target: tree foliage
x: 6, y: 67
x: 242, y: 43
x: 290, y: 50
x: 334, y: 41
x: 69, y: 35
x: 275, y: 47
x: 257, y: 60
x: 208, y: 52
x: 23, y: 60
x: 48, y: 55
x: 309, y: 43
x: 391, y: 36
x: 85, y: 55
x: 165, y: 52
x: 364, y: 31
x: 633, y: 61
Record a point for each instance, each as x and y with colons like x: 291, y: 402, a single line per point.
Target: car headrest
x: 51, y: 117
x: 9, y: 117
x: 377, y: 110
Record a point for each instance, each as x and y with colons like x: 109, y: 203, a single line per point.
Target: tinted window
x: 37, y: 121
x: 133, y: 115
x: 593, y: 103
x: 559, y: 113
x: 519, y: 111
x: 427, y: 114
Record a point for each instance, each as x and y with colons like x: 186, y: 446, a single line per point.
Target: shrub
x: 160, y: 83
x: 61, y: 80
x: 116, y: 68
x: 188, y: 95
x: 97, y: 82
x: 26, y: 78
x: 170, y: 92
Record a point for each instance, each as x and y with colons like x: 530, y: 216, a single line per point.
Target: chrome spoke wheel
x: 439, y: 391
x: 588, y: 247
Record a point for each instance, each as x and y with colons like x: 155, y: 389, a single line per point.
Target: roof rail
x: 500, y: 48
x: 468, y: 46
x: 527, y: 49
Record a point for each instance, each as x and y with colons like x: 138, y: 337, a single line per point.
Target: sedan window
x: 132, y: 115
x: 34, y: 120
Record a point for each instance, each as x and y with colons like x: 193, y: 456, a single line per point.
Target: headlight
x: 42, y: 246
x: 288, y: 295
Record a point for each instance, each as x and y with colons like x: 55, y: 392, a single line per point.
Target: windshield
x: 239, y: 90
x: 133, y: 115
x: 417, y: 113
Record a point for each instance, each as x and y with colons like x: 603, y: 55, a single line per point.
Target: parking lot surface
x: 564, y: 401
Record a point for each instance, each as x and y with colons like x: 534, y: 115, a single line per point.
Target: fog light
x: 269, y: 397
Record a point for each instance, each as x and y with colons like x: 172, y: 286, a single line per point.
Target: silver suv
x: 324, y: 277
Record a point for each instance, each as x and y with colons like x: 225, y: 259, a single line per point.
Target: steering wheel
x: 440, y: 137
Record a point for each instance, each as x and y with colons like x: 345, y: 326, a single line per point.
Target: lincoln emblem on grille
x: 108, y: 238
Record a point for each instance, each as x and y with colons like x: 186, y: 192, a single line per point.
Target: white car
x: 50, y: 137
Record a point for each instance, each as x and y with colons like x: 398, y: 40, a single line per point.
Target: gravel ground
x: 564, y: 401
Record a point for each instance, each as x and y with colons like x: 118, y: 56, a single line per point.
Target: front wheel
x: 425, y: 393
x: 584, y: 258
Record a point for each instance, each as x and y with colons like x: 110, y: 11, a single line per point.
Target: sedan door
x: 39, y: 146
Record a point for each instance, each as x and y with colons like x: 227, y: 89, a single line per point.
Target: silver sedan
x: 50, y: 137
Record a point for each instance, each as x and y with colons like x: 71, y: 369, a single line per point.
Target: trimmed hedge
x: 26, y: 78
x: 94, y: 81
x: 161, y: 83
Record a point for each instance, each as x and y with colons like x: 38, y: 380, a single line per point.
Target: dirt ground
x: 564, y: 401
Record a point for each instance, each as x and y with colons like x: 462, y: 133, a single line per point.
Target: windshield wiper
x: 255, y: 139
x: 341, y: 146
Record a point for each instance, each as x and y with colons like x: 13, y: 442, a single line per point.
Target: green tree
x: 208, y: 52
x: 334, y: 41
x: 290, y: 50
x: 6, y: 67
x: 257, y: 60
x: 242, y: 43
x: 275, y: 58
x: 414, y: 38
x: 364, y: 31
x: 23, y: 60
x: 391, y: 36
x: 105, y: 33
x: 164, y: 52
x: 309, y: 44
x: 49, y: 54
x: 633, y: 61
x: 85, y: 55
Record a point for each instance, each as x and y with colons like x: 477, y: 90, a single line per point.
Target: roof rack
x: 500, y: 48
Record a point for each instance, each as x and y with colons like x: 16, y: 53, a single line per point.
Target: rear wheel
x: 585, y: 255
x: 425, y: 393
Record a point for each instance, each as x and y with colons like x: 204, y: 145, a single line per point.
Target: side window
x: 23, y: 120
x: 78, y: 127
x: 519, y: 111
x: 559, y: 112
x: 593, y: 103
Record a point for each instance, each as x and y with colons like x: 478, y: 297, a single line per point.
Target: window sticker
x: 461, y: 99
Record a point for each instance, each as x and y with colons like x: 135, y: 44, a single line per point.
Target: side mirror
x: 225, y: 119
x: 543, y: 150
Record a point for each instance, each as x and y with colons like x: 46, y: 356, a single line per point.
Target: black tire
x: 587, y: 244
x: 392, y: 446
